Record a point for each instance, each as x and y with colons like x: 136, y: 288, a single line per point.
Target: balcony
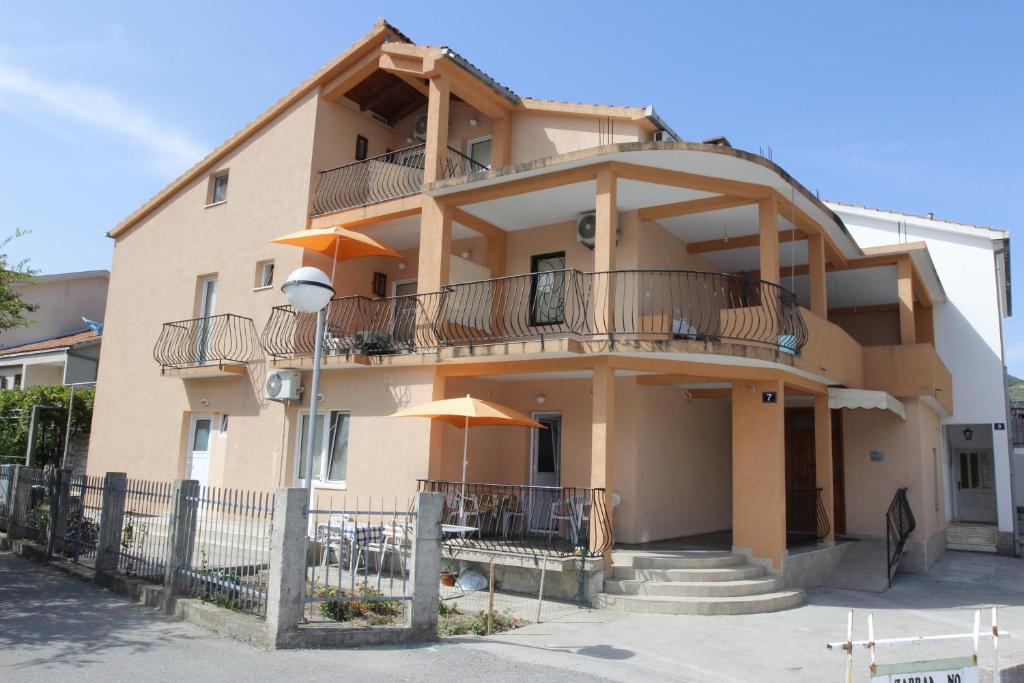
x: 215, y: 346
x: 640, y: 307
x: 380, y: 178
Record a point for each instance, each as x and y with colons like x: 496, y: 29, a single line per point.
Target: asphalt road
x: 53, y: 627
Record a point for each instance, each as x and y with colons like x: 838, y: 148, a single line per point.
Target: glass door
x: 207, y: 306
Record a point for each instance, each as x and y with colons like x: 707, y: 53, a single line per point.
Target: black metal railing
x: 386, y: 176
x: 637, y: 305
x: 206, y: 341
x: 899, y: 524
x: 512, y: 518
x: 807, y: 520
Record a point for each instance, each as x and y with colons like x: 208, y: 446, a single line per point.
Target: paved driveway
x: 52, y: 626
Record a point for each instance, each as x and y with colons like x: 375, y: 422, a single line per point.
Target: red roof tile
x: 63, y: 342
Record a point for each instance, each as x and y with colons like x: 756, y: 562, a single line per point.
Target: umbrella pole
x: 465, y: 461
x: 334, y: 263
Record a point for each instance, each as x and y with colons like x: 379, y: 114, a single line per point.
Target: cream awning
x: 866, y: 399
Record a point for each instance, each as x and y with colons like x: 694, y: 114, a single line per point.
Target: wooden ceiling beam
x: 740, y: 242
x: 351, y: 77
x: 690, y: 181
x: 703, y: 205
x: 474, y: 223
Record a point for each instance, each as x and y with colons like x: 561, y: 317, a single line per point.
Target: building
x: 58, y: 346
x: 713, y: 348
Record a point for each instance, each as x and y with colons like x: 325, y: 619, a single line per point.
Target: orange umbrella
x: 469, y: 412
x: 341, y: 243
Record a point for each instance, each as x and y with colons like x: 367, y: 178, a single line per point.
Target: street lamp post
x: 309, y: 290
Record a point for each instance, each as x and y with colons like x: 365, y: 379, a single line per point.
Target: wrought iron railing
x: 562, y: 521
x: 637, y: 305
x: 386, y: 176
x: 807, y: 520
x: 207, y: 341
x: 899, y: 524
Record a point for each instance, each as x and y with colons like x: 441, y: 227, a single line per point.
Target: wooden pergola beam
x: 690, y: 181
x: 740, y: 242
x: 703, y: 205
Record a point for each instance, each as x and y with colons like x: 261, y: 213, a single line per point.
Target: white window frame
x: 211, y: 188
x: 482, y: 138
x: 339, y: 484
x: 261, y: 272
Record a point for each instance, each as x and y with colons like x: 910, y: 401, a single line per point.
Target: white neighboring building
x: 974, y: 266
x: 58, y: 347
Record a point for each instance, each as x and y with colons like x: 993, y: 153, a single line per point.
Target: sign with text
x: 999, y: 426
x: 956, y: 670
x: 769, y: 397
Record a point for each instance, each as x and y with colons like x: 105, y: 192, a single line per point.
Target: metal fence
x: 83, y: 501
x: 6, y: 491
x: 146, y: 528
x: 203, y: 341
x: 561, y: 521
x: 228, y: 555
x: 36, y: 523
x: 807, y: 520
x: 358, y: 571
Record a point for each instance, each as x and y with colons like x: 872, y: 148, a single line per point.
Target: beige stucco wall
x: 140, y: 422
x: 62, y: 303
x: 870, y: 328
x: 536, y: 135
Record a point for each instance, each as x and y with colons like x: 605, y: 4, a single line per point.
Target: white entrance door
x: 545, y: 470
x: 975, y: 496
x: 198, y: 465
x: 207, y: 308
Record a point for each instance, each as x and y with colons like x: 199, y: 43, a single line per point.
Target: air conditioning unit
x: 282, y: 385
x: 419, y: 128
x: 664, y: 136
x: 586, y: 229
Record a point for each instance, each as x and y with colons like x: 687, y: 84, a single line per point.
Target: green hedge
x: 16, y: 414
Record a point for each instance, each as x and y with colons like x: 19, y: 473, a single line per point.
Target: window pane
x: 201, y: 437
x: 480, y: 152
x: 338, y: 463
x: 965, y: 480
x: 318, y: 441
x: 220, y: 188
x: 268, y: 275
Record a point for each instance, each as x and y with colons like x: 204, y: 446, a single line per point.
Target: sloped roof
x: 65, y: 341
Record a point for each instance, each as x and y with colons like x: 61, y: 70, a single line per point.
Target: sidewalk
x: 53, y: 626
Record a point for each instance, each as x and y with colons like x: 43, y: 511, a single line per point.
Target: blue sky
x: 914, y: 106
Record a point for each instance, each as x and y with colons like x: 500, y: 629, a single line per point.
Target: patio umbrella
x: 341, y: 243
x: 465, y: 413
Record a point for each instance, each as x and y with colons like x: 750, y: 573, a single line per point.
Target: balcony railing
x: 562, y: 521
x: 387, y: 176
x: 634, y: 305
x: 207, y: 341
x: 807, y: 520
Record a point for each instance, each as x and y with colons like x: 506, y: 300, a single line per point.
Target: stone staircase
x: 978, y: 538
x: 692, y: 582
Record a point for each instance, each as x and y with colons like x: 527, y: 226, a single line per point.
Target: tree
x: 12, y: 308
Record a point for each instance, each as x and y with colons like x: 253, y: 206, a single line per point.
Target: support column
x: 905, y: 291
x: 425, y: 566
x: 816, y: 263
x: 497, y: 253
x: 823, y: 461
x: 501, y: 142
x: 602, y: 439
x: 435, y: 441
x: 181, y: 536
x: 759, y: 470
x: 606, y: 218
x: 768, y: 227
x: 286, y: 584
x: 435, y: 246
x: 439, y: 99
x: 115, y: 486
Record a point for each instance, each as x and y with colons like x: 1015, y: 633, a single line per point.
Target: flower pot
x: 447, y: 579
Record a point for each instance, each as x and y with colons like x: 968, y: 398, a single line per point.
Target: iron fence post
x: 286, y: 584
x: 111, y: 520
x: 425, y: 566
x: 180, y: 536
x: 59, y: 503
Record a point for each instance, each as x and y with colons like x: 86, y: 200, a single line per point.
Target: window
x: 330, y: 447
x: 264, y: 274
x: 217, y: 193
x: 17, y: 382
x: 547, y: 289
x: 362, y: 147
x: 479, y: 150
x: 224, y: 423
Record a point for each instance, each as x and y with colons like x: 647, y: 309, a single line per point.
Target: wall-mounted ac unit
x: 586, y: 229
x: 282, y: 385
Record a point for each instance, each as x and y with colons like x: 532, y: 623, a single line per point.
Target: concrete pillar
x: 497, y: 254
x: 181, y: 536
x: 425, y: 566
x: 438, y: 101
x: 21, y: 494
x: 286, y: 586
x: 759, y: 469
x: 60, y: 501
x: 115, y: 486
x: 606, y: 218
x: 768, y: 227
x: 602, y: 440
x: 816, y: 263
x: 905, y: 295
x: 823, y: 460
x: 501, y: 142
x: 435, y: 246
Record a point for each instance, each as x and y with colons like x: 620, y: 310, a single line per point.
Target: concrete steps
x: 978, y: 538
x: 692, y: 582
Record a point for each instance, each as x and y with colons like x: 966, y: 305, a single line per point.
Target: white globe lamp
x: 308, y: 289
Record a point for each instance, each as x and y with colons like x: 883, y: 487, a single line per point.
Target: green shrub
x: 452, y: 622
x: 374, y: 612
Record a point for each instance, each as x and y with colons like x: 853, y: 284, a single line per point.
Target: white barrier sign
x: 958, y: 670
